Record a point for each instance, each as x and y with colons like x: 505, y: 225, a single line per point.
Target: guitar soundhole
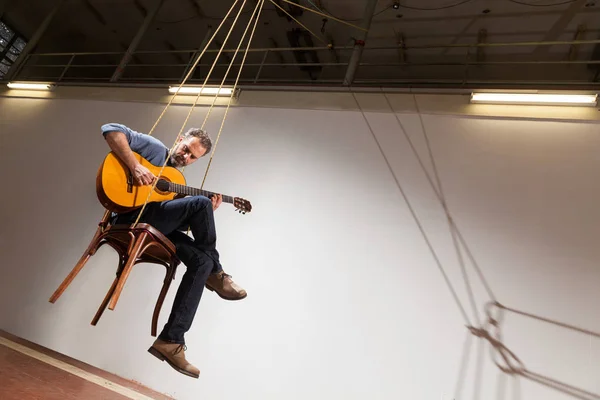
x: 162, y: 186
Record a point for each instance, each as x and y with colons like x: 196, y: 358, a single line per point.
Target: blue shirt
x: 147, y: 146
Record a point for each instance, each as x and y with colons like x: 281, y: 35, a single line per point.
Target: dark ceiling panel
x: 404, y: 44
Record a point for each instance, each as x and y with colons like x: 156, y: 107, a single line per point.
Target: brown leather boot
x: 174, y: 354
x: 225, y: 287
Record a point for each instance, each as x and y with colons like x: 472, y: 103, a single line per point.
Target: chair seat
x: 157, y: 249
x: 144, y: 243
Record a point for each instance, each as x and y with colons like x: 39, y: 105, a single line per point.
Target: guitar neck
x: 190, y: 191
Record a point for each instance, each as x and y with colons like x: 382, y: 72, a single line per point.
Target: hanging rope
x: 262, y: 2
x: 258, y: 6
x: 325, y: 15
x: 451, y: 225
x: 192, y: 69
x: 439, y: 194
x: 414, y: 215
x: 215, y: 63
x: 300, y: 23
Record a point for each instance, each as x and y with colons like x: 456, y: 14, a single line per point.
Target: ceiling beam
x: 34, y: 40
x: 141, y: 8
x: 574, y: 48
x: 94, y: 11
x: 275, y: 46
x: 3, y: 7
x: 136, y: 40
x: 481, y: 38
x: 559, y: 27
x: 401, y: 42
x: 197, y: 9
x: 462, y: 33
x: 200, y: 13
x: 359, y: 42
x: 197, y: 54
x: 333, y: 54
x: 172, y: 47
x: 219, y: 45
x: 491, y: 16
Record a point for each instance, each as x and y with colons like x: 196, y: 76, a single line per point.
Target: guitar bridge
x: 129, y: 183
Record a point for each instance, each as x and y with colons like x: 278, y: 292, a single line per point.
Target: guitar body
x: 117, y: 191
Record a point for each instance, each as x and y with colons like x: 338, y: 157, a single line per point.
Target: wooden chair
x: 142, y: 244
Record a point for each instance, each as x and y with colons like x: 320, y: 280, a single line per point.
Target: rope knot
x: 477, y: 331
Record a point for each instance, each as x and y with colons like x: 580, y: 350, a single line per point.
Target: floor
x: 29, y: 371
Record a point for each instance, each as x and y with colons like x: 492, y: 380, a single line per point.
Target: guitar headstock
x: 243, y: 206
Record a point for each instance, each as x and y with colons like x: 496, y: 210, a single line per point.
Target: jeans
x: 199, y: 255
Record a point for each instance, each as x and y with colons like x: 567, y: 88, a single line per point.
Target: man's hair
x: 202, y: 136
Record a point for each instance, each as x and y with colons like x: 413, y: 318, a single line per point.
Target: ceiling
x: 422, y: 43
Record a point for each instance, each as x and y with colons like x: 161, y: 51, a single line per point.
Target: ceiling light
x: 30, y: 85
x: 206, y: 91
x: 396, y: 5
x: 535, y: 99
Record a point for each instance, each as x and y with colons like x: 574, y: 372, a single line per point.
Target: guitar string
x: 191, y: 191
x: 258, y: 5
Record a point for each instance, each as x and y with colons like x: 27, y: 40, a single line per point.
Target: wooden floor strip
x: 132, y: 394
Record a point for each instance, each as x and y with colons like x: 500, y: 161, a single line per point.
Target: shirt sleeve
x: 135, y: 139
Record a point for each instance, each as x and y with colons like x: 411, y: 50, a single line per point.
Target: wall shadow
x: 508, y: 362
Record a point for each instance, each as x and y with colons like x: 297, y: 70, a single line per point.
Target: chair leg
x: 82, y: 261
x: 132, y: 257
x: 161, y: 298
x: 105, y: 302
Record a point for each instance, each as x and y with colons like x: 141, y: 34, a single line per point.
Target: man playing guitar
x: 173, y: 218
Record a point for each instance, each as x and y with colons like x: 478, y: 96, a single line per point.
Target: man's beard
x: 176, y: 161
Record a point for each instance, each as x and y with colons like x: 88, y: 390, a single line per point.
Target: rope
x: 215, y: 63
x: 289, y: 15
x: 258, y: 4
x: 437, y: 260
x: 464, y: 364
x: 451, y: 225
x: 232, y: 92
x: 326, y: 15
x: 438, y: 194
x: 197, y: 97
x: 191, y: 69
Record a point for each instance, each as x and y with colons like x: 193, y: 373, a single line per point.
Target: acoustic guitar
x: 118, y: 192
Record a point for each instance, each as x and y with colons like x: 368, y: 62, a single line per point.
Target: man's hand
x: 216, y: 199
x: 142, y: 175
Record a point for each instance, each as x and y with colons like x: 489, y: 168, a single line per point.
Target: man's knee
x: 200, y: 202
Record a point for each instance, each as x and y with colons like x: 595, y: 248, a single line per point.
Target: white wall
x: 345, y: 297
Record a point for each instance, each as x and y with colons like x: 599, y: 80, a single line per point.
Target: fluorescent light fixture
x: 535, y: 99
x: 205, y: 92
x: 30, y: 85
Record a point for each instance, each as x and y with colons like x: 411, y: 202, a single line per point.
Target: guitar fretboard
x: 190, y: 191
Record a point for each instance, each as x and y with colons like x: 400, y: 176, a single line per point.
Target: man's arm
x: 119, y: 144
